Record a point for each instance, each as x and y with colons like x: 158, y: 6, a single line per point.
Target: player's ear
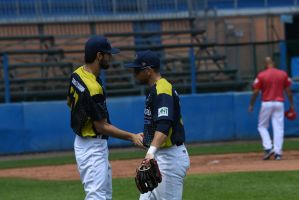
x: 100, y: 55
x: 148, y: 71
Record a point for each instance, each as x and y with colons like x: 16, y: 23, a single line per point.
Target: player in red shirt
x: 272, y: 83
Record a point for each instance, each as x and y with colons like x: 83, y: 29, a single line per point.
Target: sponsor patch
x: 78, y: 85
x: 163, y: 111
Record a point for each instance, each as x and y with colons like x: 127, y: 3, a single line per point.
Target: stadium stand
x: 36, y: 68
x: 44, y: 42
x: 212, y: 72
x: 32, y: 10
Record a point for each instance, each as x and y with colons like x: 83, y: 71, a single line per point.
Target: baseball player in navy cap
x: 90, y: 120
x: 99, y: 44
x: 164, y: 133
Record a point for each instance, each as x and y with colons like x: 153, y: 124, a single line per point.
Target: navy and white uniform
x: 162, y: 113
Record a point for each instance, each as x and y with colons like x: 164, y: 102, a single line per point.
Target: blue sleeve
x: 163, y: 126
x: 163, y: 107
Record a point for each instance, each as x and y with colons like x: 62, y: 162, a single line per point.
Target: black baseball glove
x: 148, y: 176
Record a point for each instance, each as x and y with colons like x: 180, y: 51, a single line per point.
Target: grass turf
x: 200, y: 149
x: 225, y: 186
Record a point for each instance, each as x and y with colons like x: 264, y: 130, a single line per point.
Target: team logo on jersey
x: 163, y: 111
x: 147, y: 112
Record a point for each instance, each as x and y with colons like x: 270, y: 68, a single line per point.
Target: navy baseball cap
x: 145, y: 59
x: 97, y: 44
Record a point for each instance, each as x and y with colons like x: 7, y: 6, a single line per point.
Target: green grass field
x: 219, y: 186
x: 225, y: 186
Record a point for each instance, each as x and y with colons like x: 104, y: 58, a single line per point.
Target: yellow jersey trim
x: 90, y: 81
x: 94, y: 88
x: 163, y: 87
x: 168, y: 142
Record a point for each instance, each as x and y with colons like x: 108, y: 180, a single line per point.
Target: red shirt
x: 272, y: 83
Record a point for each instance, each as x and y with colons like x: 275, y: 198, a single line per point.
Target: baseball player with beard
x: 272, y: 83
x: 164, y: 133
x: 90, y: 120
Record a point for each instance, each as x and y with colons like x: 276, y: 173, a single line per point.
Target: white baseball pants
x: 275, y: 111
x: 173, y: 163
x: 94, y: 168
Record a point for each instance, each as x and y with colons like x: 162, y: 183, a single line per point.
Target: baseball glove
x: 290, y: 114
x: 148, y: 176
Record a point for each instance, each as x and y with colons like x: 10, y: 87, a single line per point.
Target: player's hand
x: 147, y: 159
x: 149, y: 156
x: 250, y: 108
x: 137, y: 140
x: 141, y: 134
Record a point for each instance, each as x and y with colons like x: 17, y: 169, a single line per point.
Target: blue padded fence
x: 44, y: 126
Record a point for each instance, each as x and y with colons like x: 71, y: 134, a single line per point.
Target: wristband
x: 152, y: 150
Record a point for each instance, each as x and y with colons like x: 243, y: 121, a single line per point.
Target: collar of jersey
x: 160, y: 80
x: 88, y: 74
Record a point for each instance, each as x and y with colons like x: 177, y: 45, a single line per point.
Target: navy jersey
x: 163, y: 103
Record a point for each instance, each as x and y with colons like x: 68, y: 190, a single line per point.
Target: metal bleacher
x: 36, y: 68
x: 40, y: 64
x: 42, y: 72
x: 32, y: 10
x: 212, y: 72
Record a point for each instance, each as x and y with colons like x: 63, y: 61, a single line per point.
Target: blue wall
x: 44, y: 126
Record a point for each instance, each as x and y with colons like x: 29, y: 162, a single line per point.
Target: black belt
x: 179, y: 143
x: 103, y: 137
x: 97, y: 136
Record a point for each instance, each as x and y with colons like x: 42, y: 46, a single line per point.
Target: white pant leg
x: 173, y: 163
x: 263, y: 124
x: 109, y: 184
x: 93, y: 166
x: 278, y: 127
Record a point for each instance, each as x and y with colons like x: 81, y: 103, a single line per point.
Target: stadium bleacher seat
x: 30, y: 9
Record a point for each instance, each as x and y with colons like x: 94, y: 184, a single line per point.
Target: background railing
x: 229, y: 51
x: 186, y: 72
x: 51, y: 9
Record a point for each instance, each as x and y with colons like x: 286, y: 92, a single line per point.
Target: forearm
x: 159, y: 139
x: 110, y: 130
x: 291, y: 100
x: 253, y: 98
x: 290, y: 97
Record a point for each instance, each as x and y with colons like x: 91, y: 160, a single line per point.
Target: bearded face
x: 104, y: 63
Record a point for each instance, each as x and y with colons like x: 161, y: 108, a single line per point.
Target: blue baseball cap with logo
x: 97, y: 44
x: 145, y: 59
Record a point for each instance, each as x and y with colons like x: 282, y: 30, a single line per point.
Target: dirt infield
x: 199, y: 165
